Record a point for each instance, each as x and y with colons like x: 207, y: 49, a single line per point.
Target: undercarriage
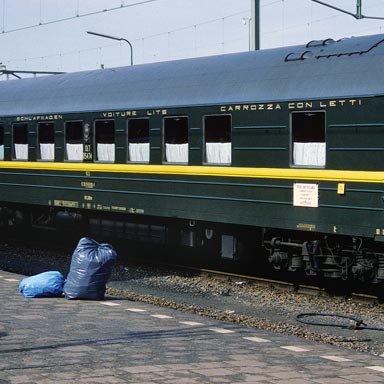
x: 346, y: 258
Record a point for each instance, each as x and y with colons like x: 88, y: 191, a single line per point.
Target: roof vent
x: 352, y: 46
x: 320, y: 43
x: 294, y: 56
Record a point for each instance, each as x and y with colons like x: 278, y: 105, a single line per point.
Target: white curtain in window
x: 21, y: 151
x: 139, y: 152
x: 1, y: 152
x: 105, y: 152
x: 219, y: 153
x: 176, y: 153
x: 47, y: 151
x: 311, y: 154
x: 74, y: 152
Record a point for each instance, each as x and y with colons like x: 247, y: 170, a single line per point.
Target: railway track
x: 59, y: 245
x: 296, y: 287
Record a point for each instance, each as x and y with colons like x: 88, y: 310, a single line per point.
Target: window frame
x: 38, y: 141
x: 322, y: 134
x: 230, y: 132
x: 75, y: 141
x: 2, y: 134
x: 136, y: 119
x: 95, y: 142
x: 164, y: 138
x: 14, y: 157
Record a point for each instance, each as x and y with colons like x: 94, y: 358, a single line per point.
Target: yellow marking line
x: 376, y: 368
x: 294, y: 348
x: 110, y: 304
x: 257, y: 339
x: 221, y: 330
x: 136, y: 310
x: 337, y: 359
x: 191, y: 323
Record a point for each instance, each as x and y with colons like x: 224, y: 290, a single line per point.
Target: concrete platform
x: 55, y: 340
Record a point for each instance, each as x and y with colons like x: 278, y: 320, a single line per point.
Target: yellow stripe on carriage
x: 206, y: 170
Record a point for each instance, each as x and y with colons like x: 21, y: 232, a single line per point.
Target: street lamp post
x: 114, y: 38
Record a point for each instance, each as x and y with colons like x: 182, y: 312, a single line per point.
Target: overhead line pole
x: 359, y: 10
x: 255, y: 25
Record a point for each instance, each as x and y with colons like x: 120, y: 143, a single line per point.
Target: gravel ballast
x: 259, y: 306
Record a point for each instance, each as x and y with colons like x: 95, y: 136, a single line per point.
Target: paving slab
x: 54, y: 340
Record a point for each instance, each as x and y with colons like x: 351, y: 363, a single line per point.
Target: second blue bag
x: 46, y: 284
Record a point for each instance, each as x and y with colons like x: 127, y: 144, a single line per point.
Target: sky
x: 50, y: 35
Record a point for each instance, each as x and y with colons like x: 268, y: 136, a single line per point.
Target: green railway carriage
x: 284, y: 147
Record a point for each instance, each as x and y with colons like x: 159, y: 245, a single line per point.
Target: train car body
x: 284, y: 146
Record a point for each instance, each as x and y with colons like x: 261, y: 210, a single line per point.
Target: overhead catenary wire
x: 358, y: 15
x: 194, y: 26
x: 77, y: 16
x: 122, y: 6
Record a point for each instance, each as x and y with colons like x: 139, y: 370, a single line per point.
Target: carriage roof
x: 346, y: 68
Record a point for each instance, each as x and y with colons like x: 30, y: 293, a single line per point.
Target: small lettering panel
x: 306, y: 195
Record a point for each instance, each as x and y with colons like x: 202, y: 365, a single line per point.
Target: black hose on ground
x: 359, y: 324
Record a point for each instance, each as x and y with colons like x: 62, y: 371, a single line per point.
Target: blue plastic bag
x: 91, y: 266
x: 46, y: 284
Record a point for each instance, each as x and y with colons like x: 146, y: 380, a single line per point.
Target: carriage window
x: 138, y: 140
x: 74, y: 140
x: 46, y: 141
x: 308, y: 139
x: 1, y: 142
x: 105, y: 140
x: 217, y: 136
x: 20, y: 141
x: 176, y: 139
